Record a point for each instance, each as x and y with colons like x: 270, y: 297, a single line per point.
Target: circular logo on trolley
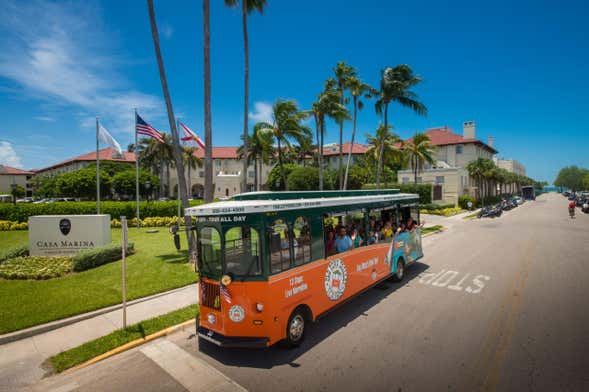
x: 236, y: 313
x: 336, y: 277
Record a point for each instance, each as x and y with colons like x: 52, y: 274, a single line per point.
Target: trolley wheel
x: 295, y: 328
x: 400, y: 272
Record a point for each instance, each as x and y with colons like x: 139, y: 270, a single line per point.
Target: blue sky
x: 519, y: 69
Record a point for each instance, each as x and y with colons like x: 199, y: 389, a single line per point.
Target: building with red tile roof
x: 453, y: 152
x: 81, y: 161
x: 10, y: 176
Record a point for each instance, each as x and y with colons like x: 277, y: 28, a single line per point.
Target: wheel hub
x: 297, y: 326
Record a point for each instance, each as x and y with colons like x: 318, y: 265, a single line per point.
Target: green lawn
x: 155, y: 267
x: 94, y: 348
x: 431, y: 229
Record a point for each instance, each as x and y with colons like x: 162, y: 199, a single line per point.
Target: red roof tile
x: 14, y: 171
x: 334, y: 149
x: 444, y: 136
x: 219, y: 153
x: 106, y: 154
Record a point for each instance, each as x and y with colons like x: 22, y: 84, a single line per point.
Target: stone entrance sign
x: 62, y: 235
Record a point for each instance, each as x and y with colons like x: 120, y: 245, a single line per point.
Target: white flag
x: 106, y: 138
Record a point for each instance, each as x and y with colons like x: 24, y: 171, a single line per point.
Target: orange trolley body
x: 270, y: 306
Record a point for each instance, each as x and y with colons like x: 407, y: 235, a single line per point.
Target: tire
x: 400, y: 272
x: 296, y: 328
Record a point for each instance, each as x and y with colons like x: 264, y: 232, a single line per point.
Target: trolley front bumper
x: 231, y: 341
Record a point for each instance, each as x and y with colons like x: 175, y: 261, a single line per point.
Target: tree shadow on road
x: 319, y: 331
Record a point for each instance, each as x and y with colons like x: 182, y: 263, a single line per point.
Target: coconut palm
x: 342, y: 72
x: 177, y: 151
x: 326, y: 105
x: 192, y: 162
x: 358, y: 90
x: 208, y: 191
x: 247, y: 7
x: 286, y: 126
x: 303, y: 149
x: 479, y: 170
x: 260, y: 151
x: 392, y: 153
x: 420, y: 152
x: 395, y: 86
x: 158, y: 157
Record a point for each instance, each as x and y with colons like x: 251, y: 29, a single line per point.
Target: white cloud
x: 45, y: 118
x: 262, y: 112
x: 166, y: 30
x: 8, y: 156
x: 61, y: 53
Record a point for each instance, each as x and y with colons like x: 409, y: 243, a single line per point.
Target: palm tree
x: 358, y: 90
x: 209, y: 191
x: 342, y: 73
x: 480, y: 170
x: 247, y: 7
x: 385, y: 147
x: 303, y: 149
x: 327, y: 105
x: 395, y: 86
x: 286, y: 125
x: 192, y: 162
x: 420, y: 151
x: 158, y: 157
x: 177, y: 152
x: 260, y: 151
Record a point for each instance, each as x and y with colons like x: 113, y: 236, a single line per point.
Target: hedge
x: 423, y: 190
x: 98, y: 256
x: 434, y: 206
x: 20, y: 212
x: 10, y: 253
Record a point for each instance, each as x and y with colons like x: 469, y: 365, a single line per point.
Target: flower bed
x: 35, y: 267
x: 443, y: 211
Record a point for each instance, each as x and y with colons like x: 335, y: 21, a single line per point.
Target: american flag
x: 144, y: 128
x: 190, y: 135
x: 225, y: 293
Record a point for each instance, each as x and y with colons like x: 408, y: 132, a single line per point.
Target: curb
x: 52, y: 325
x: 130, y: 345
x: 433, y: 232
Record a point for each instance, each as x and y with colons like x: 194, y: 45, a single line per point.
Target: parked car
x: 518, y: 200
x: 585, y: 207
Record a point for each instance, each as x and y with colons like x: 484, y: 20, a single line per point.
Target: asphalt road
x: 496, y: 304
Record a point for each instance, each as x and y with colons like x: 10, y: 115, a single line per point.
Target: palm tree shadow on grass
x: 179, y: 257
x: 319, y: 331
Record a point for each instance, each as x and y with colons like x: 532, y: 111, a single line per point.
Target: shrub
x: 303, y: 179
x: 35, y: 267
x: 463, y: 201
x: 274, y: 181
x: 434, y: 206
x: 21, y: 211
x: 423, y: 190
x: 11, y: 253
x: 9, y: 225
x: 92, y: 258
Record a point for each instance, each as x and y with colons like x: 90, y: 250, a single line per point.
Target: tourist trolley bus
x: 269, y: 263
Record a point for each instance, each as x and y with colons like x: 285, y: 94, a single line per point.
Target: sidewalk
x: 21, y: 362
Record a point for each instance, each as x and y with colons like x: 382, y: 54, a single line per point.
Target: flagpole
x: 97, y: 172
x: 136, y: 171
x: 178, y: 188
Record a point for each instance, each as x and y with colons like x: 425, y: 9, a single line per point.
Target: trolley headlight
x: 211, y: 318
x: 226, y: 280
x: 259, y: 307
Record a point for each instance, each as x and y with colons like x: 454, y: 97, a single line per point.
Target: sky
x: 519, y: 69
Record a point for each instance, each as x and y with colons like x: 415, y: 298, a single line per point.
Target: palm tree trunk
x: 319, y: 151
x: 245, y: 92
x: 209, y: 191
x: 351, y: 144
x: 381, y: 150
x: 168, y: 180
x: 162, y: 183
x: 175, y: 140
x: 189, y: 182
x: 256, y: 173
x: 281, y: 166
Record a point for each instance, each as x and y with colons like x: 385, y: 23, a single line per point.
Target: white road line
x: 193, y: 373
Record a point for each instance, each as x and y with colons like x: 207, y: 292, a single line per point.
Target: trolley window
x: 242, y: 252
x: 210, y: 250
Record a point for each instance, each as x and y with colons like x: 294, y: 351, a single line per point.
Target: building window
x: 419, y: 180
x: 250, y: 174
x: 439, y: 179
x: 437, y: 192
x: 458, y: 149
x: 201, y: 174
x: 405, y: 180
x: 218, y: 163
